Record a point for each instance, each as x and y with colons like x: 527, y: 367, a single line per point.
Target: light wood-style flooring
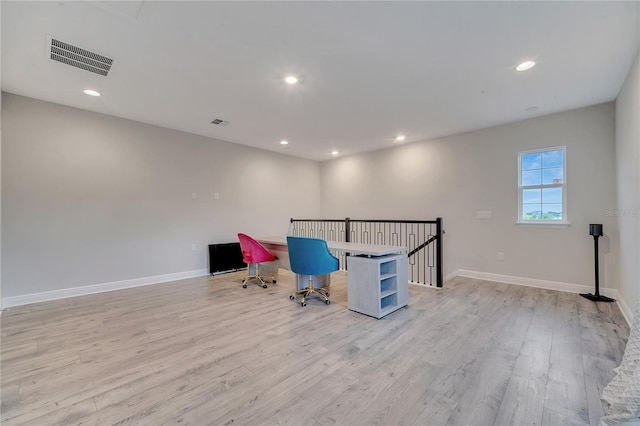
x: 205, y: 351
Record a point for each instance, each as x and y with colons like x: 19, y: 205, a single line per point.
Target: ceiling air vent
x: 79, y: 57
x: 219, y: 122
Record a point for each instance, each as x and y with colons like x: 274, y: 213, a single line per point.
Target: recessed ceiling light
x: 284, y: 142
x: 527, y: 65
x: 334, y: 152
x: 400, y: 138
x: 91, y: 92
x: 291, y: 79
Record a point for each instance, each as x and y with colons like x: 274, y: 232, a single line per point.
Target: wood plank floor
x: 205, y: 351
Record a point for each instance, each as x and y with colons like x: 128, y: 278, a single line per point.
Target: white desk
x: 377, y: 278
x: 278, y: 246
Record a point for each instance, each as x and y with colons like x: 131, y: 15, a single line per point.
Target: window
x: 542, y: 186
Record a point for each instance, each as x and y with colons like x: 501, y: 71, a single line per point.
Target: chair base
x: 260, y: 281
x: 260, y: 278
x: 306, y: 292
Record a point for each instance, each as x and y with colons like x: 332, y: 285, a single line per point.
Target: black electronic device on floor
x: 595, y: 230
x: 225, y: 257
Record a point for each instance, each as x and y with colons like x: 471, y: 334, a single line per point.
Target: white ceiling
x: 368, y: 70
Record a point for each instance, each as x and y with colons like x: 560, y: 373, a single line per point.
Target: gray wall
x: 91, y: 199
x: 628, y: 178
x: 456, y: 176
x: 0, y: 200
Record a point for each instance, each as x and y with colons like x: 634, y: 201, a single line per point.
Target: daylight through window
x: 541, y: 183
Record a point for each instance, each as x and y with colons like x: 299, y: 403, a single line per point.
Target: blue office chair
x: 310, y: 256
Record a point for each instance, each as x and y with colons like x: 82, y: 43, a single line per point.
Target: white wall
x: 628, y: 183
x: 92, y: 199
x: 456, y: 176
x: 0, y: 180
x: 0, y: 170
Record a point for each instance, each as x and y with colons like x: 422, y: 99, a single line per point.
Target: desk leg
x: 319, y: 281
x: 267, y: 269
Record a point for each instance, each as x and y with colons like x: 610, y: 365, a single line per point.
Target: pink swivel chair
x: 253, y: 254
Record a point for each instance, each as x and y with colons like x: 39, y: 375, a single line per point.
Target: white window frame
x: 564, y: 221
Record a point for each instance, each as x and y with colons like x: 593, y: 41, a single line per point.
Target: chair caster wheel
x: 327, y: 301
x: 264, y: 286
x: 291, y: 297
x: 274, y: 281
x: 303, y: 304
x: 244, y: 286
x: 328, y: 294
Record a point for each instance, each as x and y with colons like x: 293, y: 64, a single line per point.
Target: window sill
x: 559, y: 224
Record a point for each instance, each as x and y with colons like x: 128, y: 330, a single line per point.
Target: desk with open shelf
x: 377, y: 286
x: 377, y: 281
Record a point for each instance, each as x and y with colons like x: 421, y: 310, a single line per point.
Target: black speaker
x: 595, y: 229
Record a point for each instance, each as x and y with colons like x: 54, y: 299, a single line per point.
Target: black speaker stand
x: 597, y: 297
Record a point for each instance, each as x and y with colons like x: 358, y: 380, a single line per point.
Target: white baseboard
x: 451, y: 276
x: 27, y: 299
x: 532, y: 282
x: 627, y: 312
x: 550, y: 285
